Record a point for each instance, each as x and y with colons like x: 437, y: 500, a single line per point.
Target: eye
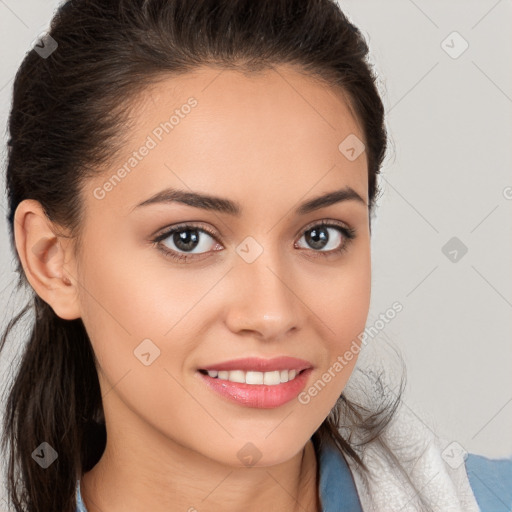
x: 189, y: 242
x: 188, y: 239
x: 328, y: 237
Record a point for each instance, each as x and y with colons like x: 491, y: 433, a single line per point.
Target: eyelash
x: 348, y: 233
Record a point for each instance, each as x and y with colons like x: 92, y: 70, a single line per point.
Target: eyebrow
x: 222, y: 205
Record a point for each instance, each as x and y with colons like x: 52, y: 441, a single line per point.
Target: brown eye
x: 186, y: 242
x: 319, y: 238
x: 327, y: 237
x: 186, y: 239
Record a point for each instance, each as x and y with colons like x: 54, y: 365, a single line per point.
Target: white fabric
x: 415, y: 477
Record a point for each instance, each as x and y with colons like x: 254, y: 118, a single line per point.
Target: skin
x: 270, y: 142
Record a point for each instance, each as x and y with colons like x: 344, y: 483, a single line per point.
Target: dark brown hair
x: 67, y: 117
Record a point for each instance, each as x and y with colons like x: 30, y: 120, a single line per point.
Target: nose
x: 263, y: 301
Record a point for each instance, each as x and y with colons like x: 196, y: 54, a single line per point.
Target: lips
x: 256, y: 364
x: 259, y: 396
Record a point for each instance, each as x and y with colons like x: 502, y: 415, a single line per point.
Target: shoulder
x: 408, y: 468
x: 491, y: 481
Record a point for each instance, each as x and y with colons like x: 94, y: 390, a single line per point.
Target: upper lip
x: 257, y: 364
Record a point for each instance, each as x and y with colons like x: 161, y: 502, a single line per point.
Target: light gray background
x: 446, y: 175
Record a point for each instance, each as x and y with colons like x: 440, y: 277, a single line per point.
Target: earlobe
x: 46, y: 259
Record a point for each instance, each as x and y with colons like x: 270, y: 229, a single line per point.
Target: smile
x: 251, y: 377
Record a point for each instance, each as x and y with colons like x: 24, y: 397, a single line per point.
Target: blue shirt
x: 490, y: 480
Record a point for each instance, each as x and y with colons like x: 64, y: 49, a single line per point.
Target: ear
x: 47, y: 259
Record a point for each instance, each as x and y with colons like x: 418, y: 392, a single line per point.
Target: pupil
x: 319, y: 238
x: 183, y: 239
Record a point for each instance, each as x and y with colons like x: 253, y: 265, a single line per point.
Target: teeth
x: 269, y: 378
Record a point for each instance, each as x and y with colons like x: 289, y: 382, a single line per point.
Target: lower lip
x: 261, y: 396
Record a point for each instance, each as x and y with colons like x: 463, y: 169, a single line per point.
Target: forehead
x: 234, y: 133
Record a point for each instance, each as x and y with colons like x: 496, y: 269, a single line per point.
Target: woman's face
x: 263, y: 282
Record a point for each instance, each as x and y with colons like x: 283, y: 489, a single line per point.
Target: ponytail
x: 54, y: 407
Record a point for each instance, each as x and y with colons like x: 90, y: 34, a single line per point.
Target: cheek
x: 129, y: 290
x: 342, y: 301
x: 121, y: 305
x: 136, y: 324
x: 131, y: 297
x: 342, y: 305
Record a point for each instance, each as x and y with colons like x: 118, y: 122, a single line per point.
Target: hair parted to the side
x: 66, y: 122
